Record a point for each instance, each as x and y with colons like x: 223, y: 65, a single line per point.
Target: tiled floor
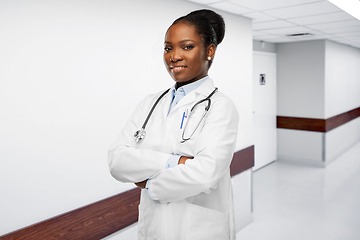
x: 293, y: 202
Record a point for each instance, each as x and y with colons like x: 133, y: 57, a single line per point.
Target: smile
x: 177, y: 68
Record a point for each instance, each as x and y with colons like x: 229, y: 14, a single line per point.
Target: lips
x: 177, y: 69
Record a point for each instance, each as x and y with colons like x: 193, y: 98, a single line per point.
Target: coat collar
x: 201, y: 92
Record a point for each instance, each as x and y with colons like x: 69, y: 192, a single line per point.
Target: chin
x: 179, y: 79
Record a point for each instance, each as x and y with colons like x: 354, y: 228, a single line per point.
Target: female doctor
x: 178, y: 144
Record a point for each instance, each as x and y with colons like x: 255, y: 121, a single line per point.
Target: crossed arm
x: 182, y: 160
x: 210, y: 163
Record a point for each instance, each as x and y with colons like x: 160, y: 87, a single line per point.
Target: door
x: 264, y: 94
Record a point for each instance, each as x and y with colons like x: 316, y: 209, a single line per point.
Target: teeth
x: 177, y: 67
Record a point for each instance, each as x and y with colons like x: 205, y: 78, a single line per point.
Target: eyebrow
x: 186, y: 40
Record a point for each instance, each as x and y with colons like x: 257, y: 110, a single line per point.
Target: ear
x: 210, y: 52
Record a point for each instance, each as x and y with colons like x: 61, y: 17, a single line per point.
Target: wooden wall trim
x: 242, y: 161
x: 91, y: 222
x: 305, y: 124
x: 341, y: 119
x: 315, y: 124
x: 100, y: 219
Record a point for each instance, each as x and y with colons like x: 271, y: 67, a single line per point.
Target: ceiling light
x: 300, y: 34
x: 352, y: 7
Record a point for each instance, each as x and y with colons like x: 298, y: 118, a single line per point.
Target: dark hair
x: 209, y: 25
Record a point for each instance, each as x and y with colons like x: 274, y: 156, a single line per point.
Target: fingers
x: 183, y: 159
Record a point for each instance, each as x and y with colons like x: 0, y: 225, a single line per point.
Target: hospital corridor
x: 180, y: 119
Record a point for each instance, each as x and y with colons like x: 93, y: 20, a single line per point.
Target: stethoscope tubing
x: 204, y: 114
x: 140, y: 134
x: 153, y: 107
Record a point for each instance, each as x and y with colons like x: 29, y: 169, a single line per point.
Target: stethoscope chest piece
x: 139, y: 135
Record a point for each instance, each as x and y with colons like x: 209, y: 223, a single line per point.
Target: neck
x: 180, y: 84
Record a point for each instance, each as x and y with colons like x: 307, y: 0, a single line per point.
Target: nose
x: 176, y: 55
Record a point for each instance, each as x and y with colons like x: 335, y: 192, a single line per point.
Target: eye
x: 188, y: 47
x: 167, y: 49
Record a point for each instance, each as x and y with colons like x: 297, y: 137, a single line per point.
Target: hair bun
x: 215, y: 20
x: 208, y: 23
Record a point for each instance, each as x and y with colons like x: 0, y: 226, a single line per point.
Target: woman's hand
x: 183, y: 159
x: 141, y: 184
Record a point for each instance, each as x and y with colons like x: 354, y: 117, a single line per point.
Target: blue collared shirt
x: 186, y: 89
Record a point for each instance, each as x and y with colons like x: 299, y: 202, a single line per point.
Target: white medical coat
x: 192, y: 201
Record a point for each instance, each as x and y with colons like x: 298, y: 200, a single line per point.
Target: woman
x: 182, y: 163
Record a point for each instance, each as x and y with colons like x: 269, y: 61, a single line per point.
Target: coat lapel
x: 165, y: 104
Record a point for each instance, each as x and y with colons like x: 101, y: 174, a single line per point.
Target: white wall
x: 262, y: 46
x: 71, y: 73
x: 342, y: 74
x: 329, y: 85
x: 300, y: 146
x: 317, y: 79
x: 341, y: 139
x: 301, y: 74
x: 300, y: 89
x: 342, y: 93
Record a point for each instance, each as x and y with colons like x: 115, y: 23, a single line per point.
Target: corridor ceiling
x: 279, y: 21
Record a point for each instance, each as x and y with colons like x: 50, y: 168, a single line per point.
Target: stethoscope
x: 141, y: 133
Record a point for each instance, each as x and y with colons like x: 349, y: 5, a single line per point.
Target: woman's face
x: 184, y: 54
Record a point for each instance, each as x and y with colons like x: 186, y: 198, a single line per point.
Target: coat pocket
x: 193, y: 124
x: 205, y: 224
